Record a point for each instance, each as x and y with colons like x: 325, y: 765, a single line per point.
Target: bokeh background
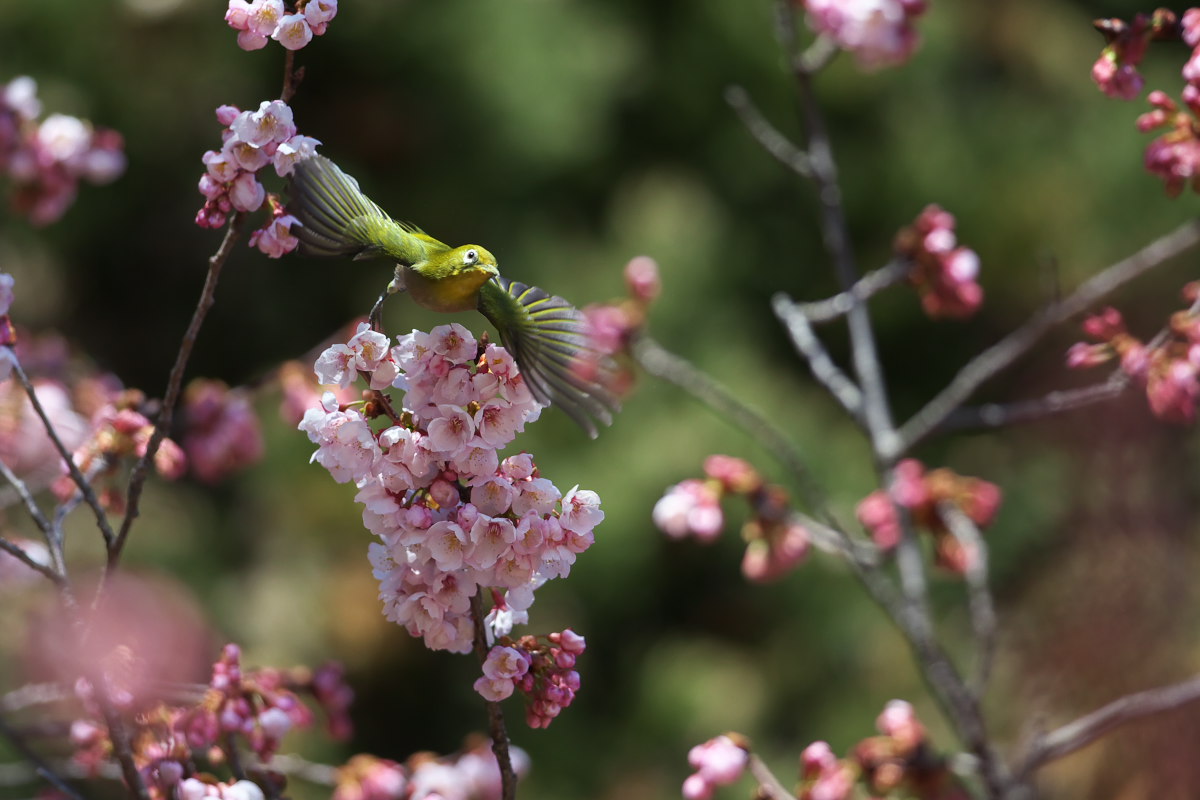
x: 569, y: 136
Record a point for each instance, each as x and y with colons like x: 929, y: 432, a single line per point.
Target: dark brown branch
x: 496, y: 728
x: 40, y: 766
x: 84, y: 485
x: 162, y: 425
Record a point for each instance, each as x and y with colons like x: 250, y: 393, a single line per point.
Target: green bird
x: 545, y: 334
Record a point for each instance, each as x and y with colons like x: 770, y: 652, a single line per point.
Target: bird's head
x: 471, y: 258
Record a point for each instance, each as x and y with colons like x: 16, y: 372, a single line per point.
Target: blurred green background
x: 568, y: 136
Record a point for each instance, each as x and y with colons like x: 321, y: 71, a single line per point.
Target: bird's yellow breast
x: 450, y: 293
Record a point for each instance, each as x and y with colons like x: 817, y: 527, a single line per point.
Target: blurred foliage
x: 569, y: 136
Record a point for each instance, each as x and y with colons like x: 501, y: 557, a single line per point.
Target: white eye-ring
x: 471, y: 256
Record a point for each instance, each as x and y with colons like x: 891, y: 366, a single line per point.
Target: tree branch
x: 1000, y: 355
x: 496, y: 728
x: 162, y: 425
x: 868, y: 286
x: 823, y: 369
x: 1087, y: 729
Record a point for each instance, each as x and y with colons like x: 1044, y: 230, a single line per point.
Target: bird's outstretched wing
x: 546, y: 336
x: 337, y: 219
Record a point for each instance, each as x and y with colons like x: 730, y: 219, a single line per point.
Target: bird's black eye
x: 471, y: 256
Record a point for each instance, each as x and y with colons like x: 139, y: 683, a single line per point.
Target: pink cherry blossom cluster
x: 256, y: 21
x: 1170, y: 372
x: 923, y: 494
x: 222, y: 431
x: 878, y: 32
x: 944, y: 273
x: 775, y: 541
x: 896, y: 763
x: 46, y: 160
x: 251, y: 141
x: 209, y: 787
x: 471, y: 775
x: 1174, y: 155
x: 613, y: 327
x: 452, y: 516
x: 543, y: 671
x: 718, y: 762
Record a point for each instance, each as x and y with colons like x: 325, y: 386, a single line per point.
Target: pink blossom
x: 642, y: 280
x: 292, y: 31
x: 246, y: 193
x: 718, y: 762
x: 878, y: 32
x: 271, y: 123
x: 222, y: 434
x: 275, y: 238
x: 691, y: 507
x: 295, y: 149
x: 1122, y: 81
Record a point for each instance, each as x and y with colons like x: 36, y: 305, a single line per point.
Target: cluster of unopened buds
x: 1170, y: 371
x: 926, y: 497
x: 1174, y: 156
x: 943, y: 272
x: 258, y: 706
x: 613, y: 327
x: 899, y: 762
x: 293, y: 25
x: 251, y: 141
x: 453, y: 518
x: 46, y: 160
x: 718, y: 762
x: 878, y: 32
x: 120, y: 431
x: 544, y: 672
x: 775, y: 541
x: 472, y: 774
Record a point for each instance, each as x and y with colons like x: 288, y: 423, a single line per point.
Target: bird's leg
x: 396, y: 286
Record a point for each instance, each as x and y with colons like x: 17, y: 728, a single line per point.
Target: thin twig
x: 770, y: 787
x: 661, y: 363
x: 41, y: 767
x: 1000, y: 355
x: 1087, y: 729
x: 295, y: 766
x: 980, y: 605
x: 85, y: 486
x: 117, y: 734
x: 766, y: 134
x: 827, y: 373
x: 499, y: 734
x: 868, y: 286
x: 162, y: 425
x: 996, y: 415
x: 19, y: 554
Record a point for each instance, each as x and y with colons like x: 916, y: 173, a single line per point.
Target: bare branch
x: 84, y: 485
x: 41, y: 767
x: 868, y: 286
x: 979, y: 600
x: 771, y: 787
x: 1089, y: 728
x: 1000, y: 355
x: 767, y: 134
x: 162, y: 425
x: 823, y: 369
x: 996, y: 415
x: 661, y: 363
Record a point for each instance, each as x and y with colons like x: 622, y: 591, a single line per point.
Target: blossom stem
x: 496, y: 727
x: 770, y: 787
x: 868, y: 286
x: 980, y: 605
x: 767, y: 135
x: 836, y: 382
